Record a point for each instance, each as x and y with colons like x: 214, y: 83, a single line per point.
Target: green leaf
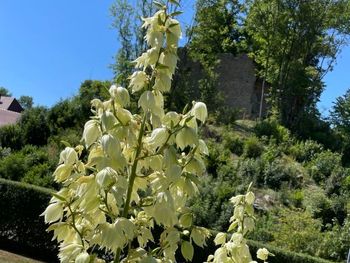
x: 65, y: 143
x: 162, y: 66
x: 176, y: 13
x: 187, y: 250
x: 175, y: 2
x: 61, y: 198
x: 160, y: 4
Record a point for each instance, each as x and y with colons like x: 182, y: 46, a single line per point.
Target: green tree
x: 127, y: 21
x: 340, y: 113
x: 5, y: 92
x: 34, y: 126
x: 26, y: 102
x: 296, y: 43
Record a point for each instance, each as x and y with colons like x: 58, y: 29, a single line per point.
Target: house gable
x: 10, y: 104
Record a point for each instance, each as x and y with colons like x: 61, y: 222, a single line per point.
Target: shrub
x: 233, y: 142
x: 271, y: 129
x: 322, y: 166
x: 251, y: 170
x: 305, y: 151
x: 21, y: 228
x: 31, y: 165
x: 297, y: 231
x: 282, y: 171
x: 253, y: 148
x: 11, y: 136
x: 335, y: 245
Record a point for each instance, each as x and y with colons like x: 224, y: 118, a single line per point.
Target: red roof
x: 8, y: 117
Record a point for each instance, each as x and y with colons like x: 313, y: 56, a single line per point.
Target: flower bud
x: 262, y: 254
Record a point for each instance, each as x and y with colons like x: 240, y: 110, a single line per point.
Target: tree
x: 5, y: 92
x: 127, y: 20
x: 26, y: 102
x: 340, y: 113
x: 216, y: 30
x: 296, y: 43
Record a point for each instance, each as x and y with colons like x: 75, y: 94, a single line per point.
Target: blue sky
x: 47, y: 48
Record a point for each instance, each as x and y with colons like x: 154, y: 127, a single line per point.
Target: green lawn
x: 7, y: 257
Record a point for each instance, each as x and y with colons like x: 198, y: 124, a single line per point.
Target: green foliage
x: 272, y: 129
x: 322, y: 166
x: 284, y: 255
x: 11, y: 136
x: 233, y: 142
x: 253, y: 148
x: 290, y: 41
x: 5, y: 92
x: 34, y: 126
x: 20, y: 224
x: 26, y: 102
x: 282, y: 171
x: 297, y: 231
x: 335, y: 245
x: 31, y: 164
x: 305, y: 151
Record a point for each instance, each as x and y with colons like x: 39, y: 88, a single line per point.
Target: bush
x: 305, y: 151
x: 322, y: 166
x: 11, y: 136
x: 282, y: 171
x: 251, y: 170
x: 271, y: 129
x: 233, y: 142
x: 21, y: 228
x: 253, y: 148
x: 335, y: 245
x: 31, y: 165
x: 297, y: 231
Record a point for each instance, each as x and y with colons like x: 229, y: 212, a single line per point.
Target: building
x: 10, y: 110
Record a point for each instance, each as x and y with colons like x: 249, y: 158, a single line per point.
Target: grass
x: 7, y: 257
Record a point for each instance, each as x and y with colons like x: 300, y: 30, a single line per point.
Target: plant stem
x: 132, y: 179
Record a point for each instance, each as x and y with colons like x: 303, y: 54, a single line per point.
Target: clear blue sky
x: 47, y: 48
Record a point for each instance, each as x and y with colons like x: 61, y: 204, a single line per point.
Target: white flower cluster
x: 135, y: 171
x: 236, y: 250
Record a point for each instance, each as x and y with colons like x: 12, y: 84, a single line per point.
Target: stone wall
x: 237, y: 82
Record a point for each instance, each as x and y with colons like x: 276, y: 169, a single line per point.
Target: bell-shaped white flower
x: 53, y: 213
x: 108, y: 120
x: 110, y: 145
x: 186, y: 137
x: 120, y: 95
x: 169, y: 59
x: 138, y: 81
x: 68, y: 156
x: 158, y: 137
x: 91, y: 132
x: 147, y: 101
x: 199, y: 111
x: 162, y: 82
x: 106, y: 177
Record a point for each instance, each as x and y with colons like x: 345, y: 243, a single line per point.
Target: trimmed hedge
x: 21, y: 229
